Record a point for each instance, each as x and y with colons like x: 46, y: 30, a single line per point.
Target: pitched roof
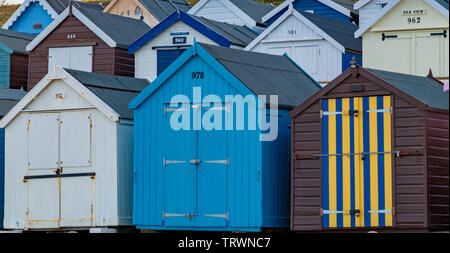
x: 256, y: 10
x: 223, y: 34
x: 114, y: 30
x: 17, y: 41
x: 444, y: 3
x: 266, y: 74
x: 8, y: 99
x: 123, y: 30
x: 342, y: 31
x: 161, y: 9
x: 425, y: 89
x: 347, y: 4
x: 115, y: 91
x: 60, y: 5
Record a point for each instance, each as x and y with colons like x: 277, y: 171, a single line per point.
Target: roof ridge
x: 221, y: 30
x: 259, y: 66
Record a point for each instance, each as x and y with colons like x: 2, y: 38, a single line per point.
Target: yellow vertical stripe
x: 387, y: 160
x: 332, y: 161
x: 373, y: 161
x: 346, y: 160
x: 359, y: 172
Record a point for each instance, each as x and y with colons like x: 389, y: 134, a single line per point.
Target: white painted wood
x: 77, y: 58
x: 320, y: 58
x: 146, y: 57
x: 43, y: 146
x: 73, y: 202
x: 75, y: 139
x: 370, y: 10
x: 222, y: 11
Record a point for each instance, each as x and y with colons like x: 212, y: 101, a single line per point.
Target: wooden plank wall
x: 104, y: 58
x: 409, y: 181
x: 438, y: 169
x: 19, y: 71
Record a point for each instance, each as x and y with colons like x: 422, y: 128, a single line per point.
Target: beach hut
x: 409, y: 37
x: 33, y: 16
x: 85, y: 39
x: 150, y: 11
x: 8, y: 98
x: 69, y: 151
x: 335, y: 9
x: 158, y: 48
x: 14, y: 59
x: 321, y: 45
x: 235, y: 12
x: 228, y: 176
x: 370, y: 152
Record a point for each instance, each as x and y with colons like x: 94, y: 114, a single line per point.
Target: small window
x: 37, y: 26
x: 137, y: 11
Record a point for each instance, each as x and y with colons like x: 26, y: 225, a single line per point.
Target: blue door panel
x: 166, y: 57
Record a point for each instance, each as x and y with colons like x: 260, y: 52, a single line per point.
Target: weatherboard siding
x: 438, y: 173
x: 409, y: 171
x: 19, y: 71
x: 106, y: 60
x: 318, y: 57
x: 2, y: 175
x: 5, y: 64
x: 126, y: 8
x: 146, y: 57
x: 215, y: 10
x: 370, y: 10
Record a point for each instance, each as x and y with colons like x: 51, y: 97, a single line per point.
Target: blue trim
x: 381, y: 166
x: 339, y: 166
x: 366, y: 146
x: 179, y: 46
x: 298, y: 66
x: 218, y: 229
x: 352, y: 164
x: 6, y: 48
x: 185, y: 18
x: 195, y: 49
x: 325, y: 166
x: 179, y: 33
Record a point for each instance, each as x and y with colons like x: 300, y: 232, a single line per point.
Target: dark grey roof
x: 60, y: 5
x: 347, y: 4
x: 17, y: 41
x: 255, y: 10
x: 425, y: 89
x: 161, y: 9
x: 115, y: 91
x: 8, y: 99
x: 237, y: 35
x: 266, y: 74
x: 123, y: 30
x: 444, y: 3
x: 343, y: 32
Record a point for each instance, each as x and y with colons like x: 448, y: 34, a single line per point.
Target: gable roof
x: 53, y: 7
x: 116, y: 91
x: 109, y: 94
x: 424, y: 92
x: 248, y: 10
x: 440, y: 5
x: 261, y: 74
x: 223, y: 34
x: 8, y: 99
x: 15, y: 41
x: 341, y: 6
x: 339, y: 33
x: 114, y: 30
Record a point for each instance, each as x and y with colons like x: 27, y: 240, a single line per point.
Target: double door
x: 195, y: 165
x: 59, y: 184
x: 357, y: 162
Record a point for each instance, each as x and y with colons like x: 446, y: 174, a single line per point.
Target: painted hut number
x: 198, y: 75
x: 71, y: 36
x: 292, y: 32
x: 414, y: 20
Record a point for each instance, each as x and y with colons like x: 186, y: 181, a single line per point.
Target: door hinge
x: 166, y: 162
x: 225, y: 216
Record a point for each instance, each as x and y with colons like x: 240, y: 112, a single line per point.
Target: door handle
x: 195, y: 161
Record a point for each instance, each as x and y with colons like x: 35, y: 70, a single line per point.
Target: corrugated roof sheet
x: 443, y: 3
x: 266, y: 74
x: 255, y: 10
x: 161, y: 9
x: 237, y: 35
x: 60, y: 5
x: 115, y: 91
x: 8, y: 99
x: 17, y: 41
x: 343, y: 32
x: 123, y: 30
x: 425, y: 89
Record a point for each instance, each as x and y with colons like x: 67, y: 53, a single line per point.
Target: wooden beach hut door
x: 59, y: 183
x: 195, y: 172
x: 356, y: 162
